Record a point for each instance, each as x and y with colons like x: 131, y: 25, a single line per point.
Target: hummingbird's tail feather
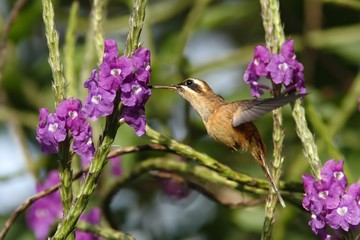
x: 258, y: 153
x: 273, y: 185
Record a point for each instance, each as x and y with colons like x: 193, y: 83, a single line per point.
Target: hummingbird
x: 230, y: 123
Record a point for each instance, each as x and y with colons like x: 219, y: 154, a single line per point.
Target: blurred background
x: 211, y: 40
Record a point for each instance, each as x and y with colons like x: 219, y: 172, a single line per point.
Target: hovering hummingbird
x: 230, y: 122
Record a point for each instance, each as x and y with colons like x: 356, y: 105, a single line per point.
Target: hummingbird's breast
x: 219, y: 127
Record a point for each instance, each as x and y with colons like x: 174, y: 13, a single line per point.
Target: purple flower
x: 284, y: 66
x: 311, y: 201
x: 43, y: 213
x: 134, y: 89
x: 43, y: 114
x: 324, y: 235
x: 124, y: 77
x: 309, y: 188
x: 83, y: 145
x: 70, y: 111
x: 134, y: 92
x: 257, y: 69
x: 99, y: 102
x: 347, y: 212
x: 141, y: 62
x: 113, y: 71
x: 174, y: 188
x: 332, y: 171
x: 299, y: 82
x: 115, y: 163
x: 328, y: 194
x: 91, y: 217
x: 50, y: 131
x: 329, y: 204
x: 141, y: 58
x: 110, y: 50
x: 135, y: 118
x: 317, y: 223
x: 280, y: 68
x: 354, y: 191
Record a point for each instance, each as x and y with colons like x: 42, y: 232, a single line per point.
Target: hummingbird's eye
x: 189, y: 82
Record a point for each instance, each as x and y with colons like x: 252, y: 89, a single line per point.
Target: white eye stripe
x: 195, y: 85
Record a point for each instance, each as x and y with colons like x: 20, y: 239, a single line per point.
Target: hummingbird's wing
x: 249, y: 110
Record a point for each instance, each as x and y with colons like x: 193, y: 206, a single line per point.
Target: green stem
x: 59, y: 85
x: 103, y: 232
x: 100, y: 159
x: 191, y: 171
x: 274, y: 33
x: 307, y: 139
x: 136, y: 22
x: 87, y: 188
x: 274, y: 36
x: 97, y: 21
x: 207, y: 161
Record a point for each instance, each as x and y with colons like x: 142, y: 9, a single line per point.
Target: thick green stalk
x: 103, y: 232
x: 59, y: 85
x: 100, y: 159
x: 189, y: 170
x: 274, y: 33
x: 307, y: 139
x: 211, y: 163
x: 136, y: 23
x: 86, y: 189
x: 66, y: 174
x: 97, y: 21
x: 274, y: 36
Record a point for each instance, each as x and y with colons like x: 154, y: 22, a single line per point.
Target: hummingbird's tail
x: 258, y: 153
x: 272, y: 183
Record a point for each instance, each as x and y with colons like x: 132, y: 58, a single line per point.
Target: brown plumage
x: 230, y: 123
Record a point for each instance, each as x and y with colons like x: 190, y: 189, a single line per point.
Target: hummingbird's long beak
x: 173, y: 87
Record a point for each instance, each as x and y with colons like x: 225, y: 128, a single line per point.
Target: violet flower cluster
x: 45, y: 211
x: 280, y: 68
x: 124, y: 77
x: 174, y: 188
x: 331, y: 204
x: 53, y: 129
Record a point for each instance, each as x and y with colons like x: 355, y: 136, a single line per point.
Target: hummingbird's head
x: 198, y: 94
x: 191, y: 89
